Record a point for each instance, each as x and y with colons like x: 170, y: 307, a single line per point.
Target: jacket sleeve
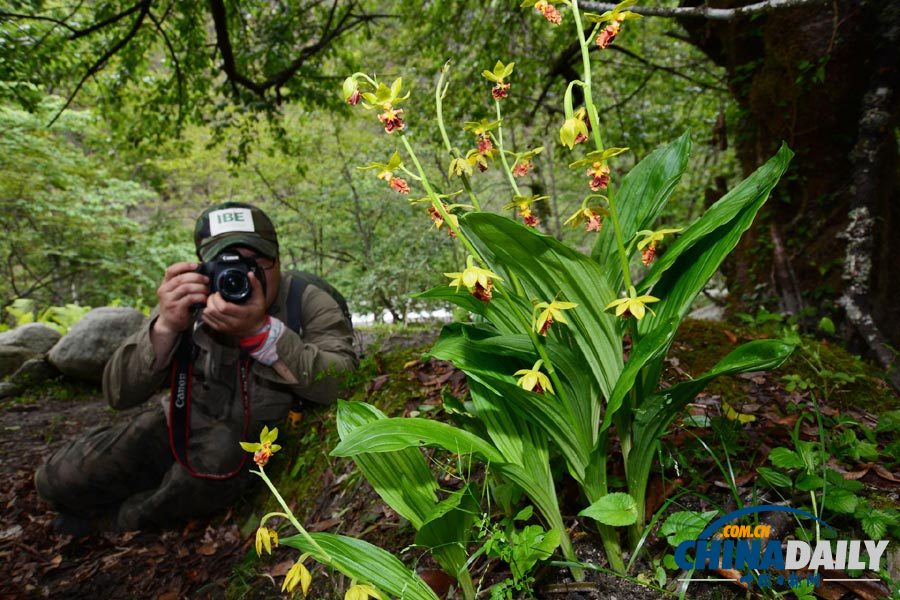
x: 320, y: 358
x: 129, y: 377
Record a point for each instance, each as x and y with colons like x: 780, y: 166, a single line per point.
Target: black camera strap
x: 180, y: 407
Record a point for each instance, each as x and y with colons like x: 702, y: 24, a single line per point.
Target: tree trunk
x: 824, y: 79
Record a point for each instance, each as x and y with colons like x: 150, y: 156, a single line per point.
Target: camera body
x: 227, y: 274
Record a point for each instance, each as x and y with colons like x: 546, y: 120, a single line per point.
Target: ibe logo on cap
x: 230, y: 219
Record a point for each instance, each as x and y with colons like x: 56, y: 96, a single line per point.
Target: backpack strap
x: 294, y: 302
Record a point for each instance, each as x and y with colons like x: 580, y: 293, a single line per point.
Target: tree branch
x: 101, y: 62
x: 706, y: 12
x: 179, y: 79
x: 106, y: 22
x: 674, y: 72
x: 344, y: 23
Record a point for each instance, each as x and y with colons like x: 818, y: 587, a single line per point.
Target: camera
x: 227, y: 274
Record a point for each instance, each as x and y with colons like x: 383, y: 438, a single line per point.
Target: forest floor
x: 214, y: 558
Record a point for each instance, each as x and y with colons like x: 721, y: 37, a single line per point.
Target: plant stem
x: 439, y: 106
x: 499, y: 138
x: 435, y: 201
x: 542, y: 352
x: 598, y: 139
x: 290, y: 515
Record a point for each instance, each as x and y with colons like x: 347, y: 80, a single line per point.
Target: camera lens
x: 233, y: 285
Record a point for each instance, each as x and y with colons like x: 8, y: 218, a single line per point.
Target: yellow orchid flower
x: 266, y: 539
x: 591, y: 216
x: 632, y: 305
x: 361, y: 591
x: 654, y: 237
x: 298, y: 574
x: 651, y: 239
x: 551, y: 313
x: 533, y: 380
x: 477, y: 280
x: 265, y: 448
x: 573, y: 131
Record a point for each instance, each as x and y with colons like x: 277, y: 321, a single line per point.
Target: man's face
x: 271, y: 268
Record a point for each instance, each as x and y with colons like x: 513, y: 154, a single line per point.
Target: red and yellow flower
x: 498, y: 78
x: 549, y: 12
x: 632, y: 305
x: 265, y: 448
x: 550, y: 312
x: 650, y: 241
x: 477, y: 280
x: 533, y: 380
x: 599, y: 174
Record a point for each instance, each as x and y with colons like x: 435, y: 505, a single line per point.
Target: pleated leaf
x: 658, y: 411
x: 448, y: 529
x: 695, y: 256
x: 390, y: 435
x: 640, y: 200
x: 548, y: 269
x: 365, y: 562
x: 401, y: 478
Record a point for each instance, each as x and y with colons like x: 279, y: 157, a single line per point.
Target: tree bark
x: 824, y: 79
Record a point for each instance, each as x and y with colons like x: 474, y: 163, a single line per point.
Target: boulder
x: 35, y: 337
x: 83, y: 351
x: 33, y: 372
x: 12, y: 357
x: 8, y: 390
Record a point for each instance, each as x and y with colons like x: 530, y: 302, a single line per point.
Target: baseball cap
x: 234, y: 224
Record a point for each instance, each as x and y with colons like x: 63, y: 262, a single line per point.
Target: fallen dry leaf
x: 281, y: 569
x: 207, y: 549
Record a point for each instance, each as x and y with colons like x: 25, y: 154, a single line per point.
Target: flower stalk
x: 439, y: 93
x: 598, y: 139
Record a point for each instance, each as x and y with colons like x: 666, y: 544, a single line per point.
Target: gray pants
x: 126, y: 475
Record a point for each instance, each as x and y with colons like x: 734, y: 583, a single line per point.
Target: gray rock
x: 8, y: 390
x: 33, y: 372
x: 23, y: 343
x: 12, y: 357
x: 35, y: 337
x: 83, y: 352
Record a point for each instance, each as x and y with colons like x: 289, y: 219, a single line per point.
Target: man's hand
x: 181, y: 288
x: 238, y: 320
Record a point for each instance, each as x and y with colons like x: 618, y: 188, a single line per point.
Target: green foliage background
x: 98, y: 203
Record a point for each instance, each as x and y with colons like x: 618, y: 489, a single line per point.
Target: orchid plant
x: 548, y: 370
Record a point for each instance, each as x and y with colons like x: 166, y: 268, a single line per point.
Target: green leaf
x: 826, y: 325
x: 546, y: 269
x: 695, y: 256
x: 647, y: 350
x: 685, y: 525
x: 837, y: 480
x: 875, y: 522
x: 785, y: 458
x: 363, y: 561
x: 617, y: 509
x: 841, y: 501
x: 641, y: 199
x: 888, y: 422
x: 656, y: 412
x: 807, y: 482
x: 401, y: 478
x: 448, y: 530
x: 776, y: 478
x: 524, y: 514
x: 390, y: 435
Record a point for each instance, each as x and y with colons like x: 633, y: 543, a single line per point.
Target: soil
x: 214, y: 558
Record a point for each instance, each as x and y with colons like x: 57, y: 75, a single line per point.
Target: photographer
x: 222, y: 364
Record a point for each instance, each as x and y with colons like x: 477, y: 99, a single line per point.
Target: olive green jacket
x: 317, y: 358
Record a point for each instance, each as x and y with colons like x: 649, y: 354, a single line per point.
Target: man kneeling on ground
x: 240, y: 367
